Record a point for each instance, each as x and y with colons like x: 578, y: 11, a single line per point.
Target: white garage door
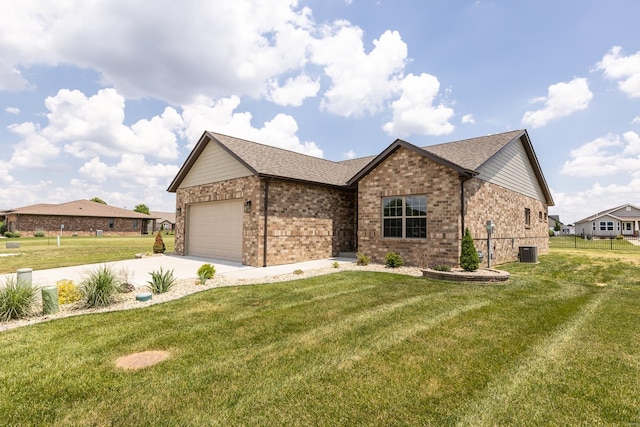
x: 214, y: 230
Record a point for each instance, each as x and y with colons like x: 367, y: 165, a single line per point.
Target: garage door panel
x: 215, y: 230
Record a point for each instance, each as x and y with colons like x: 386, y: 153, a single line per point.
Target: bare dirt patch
x: 141, y: 360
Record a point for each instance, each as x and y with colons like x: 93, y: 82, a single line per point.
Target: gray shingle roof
x: 465, y: 156
x: 272, y: 161
x: 472, y: 153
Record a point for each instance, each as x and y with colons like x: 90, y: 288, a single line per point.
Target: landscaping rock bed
x: 482, y: 275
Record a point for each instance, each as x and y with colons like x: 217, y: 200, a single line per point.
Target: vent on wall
x: 528, y: 254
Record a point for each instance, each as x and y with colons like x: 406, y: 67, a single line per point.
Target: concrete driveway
x: 183, y: 267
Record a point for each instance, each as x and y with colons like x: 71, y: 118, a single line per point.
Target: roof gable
x: 465, y: 157
x: 267, y: 161
x: 425, y: 153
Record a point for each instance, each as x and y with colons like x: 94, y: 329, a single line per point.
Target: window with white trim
x: 404, y: 217
x: 606, y: 225
x: 527, y: 217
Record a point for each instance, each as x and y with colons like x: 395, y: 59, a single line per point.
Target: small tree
x: 98, y: 200
x: 141, y: 208
x: 469, y: 260
x: 158, y: 245
x: 557, y: 227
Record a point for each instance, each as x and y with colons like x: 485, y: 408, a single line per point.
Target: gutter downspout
x: 462, y: 205
x: 266, y: 206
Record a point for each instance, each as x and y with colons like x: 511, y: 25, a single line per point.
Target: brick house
x: 79, y: 218
x: 260, y: 205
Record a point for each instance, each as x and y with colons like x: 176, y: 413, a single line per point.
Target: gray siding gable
x: 510, y: 168
x: 632, y: 212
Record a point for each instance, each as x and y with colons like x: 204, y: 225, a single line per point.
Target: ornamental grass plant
x: 17, y: 298
x: 100, y: 287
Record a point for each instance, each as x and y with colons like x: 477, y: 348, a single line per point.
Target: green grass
x: 42, y: 252
x: 557, y: 345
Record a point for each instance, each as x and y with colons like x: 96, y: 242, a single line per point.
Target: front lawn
x: 43, y: 252
x: 557, y: 345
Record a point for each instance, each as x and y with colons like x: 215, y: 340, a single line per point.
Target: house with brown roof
x: 246, y: 202
x: 77, y: 218
x: 165, y: 221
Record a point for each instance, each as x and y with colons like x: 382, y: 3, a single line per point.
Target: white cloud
x: 577, y: 205
x: 95, y: 170
x: 604, y: 156
x: 361, y: 82
x: 255, y: 41
x: 625, y: 69
x: 562, y: 100
x: 5, y: 176
x: 90, y: 126
x: 34, y: 150
x: 349, y: 154
x: 12, y: 110
x: 205, y: 114
x: 468, y: 118
x: 414, y: 112
x: 294, y: 91
x: 636, y: 120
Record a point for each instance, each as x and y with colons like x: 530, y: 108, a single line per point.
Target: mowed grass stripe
x: 249, y: 314
x: 384, y: 339
x: 501, y: 392
x: 316, y: 336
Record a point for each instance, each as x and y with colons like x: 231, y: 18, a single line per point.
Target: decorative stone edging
x: 483, y: 275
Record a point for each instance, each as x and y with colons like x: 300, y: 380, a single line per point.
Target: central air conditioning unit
x: 528, y: 254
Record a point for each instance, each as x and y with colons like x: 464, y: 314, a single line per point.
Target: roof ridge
x: 475, y: 137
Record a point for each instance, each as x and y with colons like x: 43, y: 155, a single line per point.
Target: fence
x: 603, y: 243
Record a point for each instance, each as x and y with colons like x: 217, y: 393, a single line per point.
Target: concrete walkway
x: 183, y: 268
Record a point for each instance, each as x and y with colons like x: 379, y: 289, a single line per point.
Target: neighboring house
x: 622, y: 220
x: 246, y: 202
x: 553, y: 219
x: 164, y: 220
x: 80, y: 217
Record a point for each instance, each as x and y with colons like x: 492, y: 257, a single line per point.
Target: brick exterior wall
x: 248, y: 189
x: 308, y: 222
x: 485, y: 201
x: 74, y: 225
x: 405, y: 173
x: 304, y: 222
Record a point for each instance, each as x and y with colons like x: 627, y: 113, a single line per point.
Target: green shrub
x: 158, y: 245
x: 38, y: 233
x: 68, y: 292
x: 100, y: 287
x: 619, y: 237
x: 469, y: 260
x: 442, y: 267
x: 3, y: 228
x: 362, y: 259
x: 551, y: 233
x: 161, y: 281
x: 335, y: 264
x: 206, y: 272
x: 393, y: 260
x: 12, y: 234
x: 298, y: 272
x: 16, y: 299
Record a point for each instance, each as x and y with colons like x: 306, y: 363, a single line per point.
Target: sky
x: 106, y: 98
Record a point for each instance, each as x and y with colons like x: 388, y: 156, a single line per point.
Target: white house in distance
x: 622, y: 220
